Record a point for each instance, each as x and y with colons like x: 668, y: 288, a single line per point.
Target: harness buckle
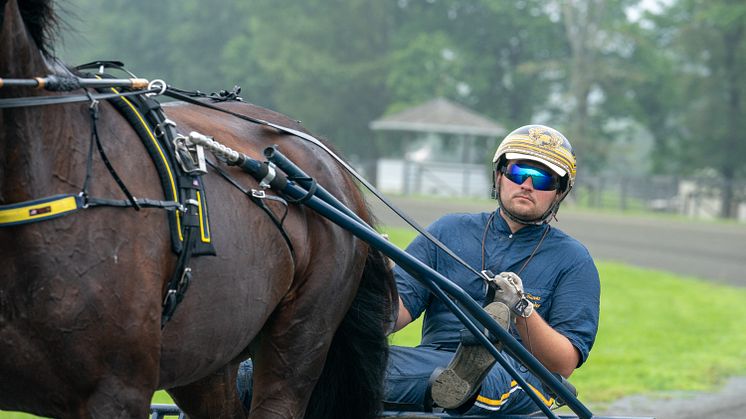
x: 186, y: 278
x: 86, y: 203
x: 256, y: 193
x: 191, y: 157
x: 160, y: 129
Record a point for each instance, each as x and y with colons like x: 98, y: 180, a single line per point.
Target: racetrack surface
x: 707, y: 250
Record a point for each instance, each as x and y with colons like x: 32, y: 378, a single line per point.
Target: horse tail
x: 351, y: 384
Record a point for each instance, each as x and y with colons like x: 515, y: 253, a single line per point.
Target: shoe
x: 461, y: 379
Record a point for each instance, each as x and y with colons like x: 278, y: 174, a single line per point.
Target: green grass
x: 658, y: 332
x: 663, y: 332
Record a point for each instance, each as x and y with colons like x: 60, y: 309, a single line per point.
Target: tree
x: 323, y: 62
x: 499, y: 58
x: 595, y: 32
x: 180, y: 42
x: 711, y: 42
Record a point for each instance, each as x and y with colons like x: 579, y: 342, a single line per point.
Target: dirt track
x: 711, y: 251
x: 714, y: 251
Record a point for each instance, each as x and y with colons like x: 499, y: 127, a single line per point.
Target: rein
x: 26, y: 102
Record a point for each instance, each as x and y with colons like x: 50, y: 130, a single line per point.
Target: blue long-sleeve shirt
x: 561, y: 279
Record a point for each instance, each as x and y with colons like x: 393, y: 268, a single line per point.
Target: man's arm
x: 404, y: 318
x: 550, y: 347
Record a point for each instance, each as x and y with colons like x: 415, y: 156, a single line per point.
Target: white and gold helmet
x: 544, y: 145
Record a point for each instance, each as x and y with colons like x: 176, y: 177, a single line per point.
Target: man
x: 547, y: 293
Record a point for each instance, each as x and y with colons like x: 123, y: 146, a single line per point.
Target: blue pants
x: 245, y: 383
x: 409, y: 371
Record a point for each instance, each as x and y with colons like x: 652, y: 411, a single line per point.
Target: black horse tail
x: 351, y: 384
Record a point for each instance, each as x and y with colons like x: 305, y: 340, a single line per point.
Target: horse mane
x: 42, y: 22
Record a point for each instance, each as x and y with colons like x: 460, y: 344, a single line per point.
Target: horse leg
x: 212, y: 397
x: 114, y: 398
x: 293, y: 345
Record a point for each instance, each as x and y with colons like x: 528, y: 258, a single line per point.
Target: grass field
x: 658, y: 332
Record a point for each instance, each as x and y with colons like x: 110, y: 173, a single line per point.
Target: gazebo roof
x: 440, y: 116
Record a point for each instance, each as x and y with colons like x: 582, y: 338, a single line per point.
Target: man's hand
x: 509, y: 291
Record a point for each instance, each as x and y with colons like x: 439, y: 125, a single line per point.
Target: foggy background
x: 650, y: 93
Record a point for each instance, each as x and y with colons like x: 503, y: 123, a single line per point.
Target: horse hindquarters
x: 292, y: 347
x: 351, y: 363
x: 351, y: 384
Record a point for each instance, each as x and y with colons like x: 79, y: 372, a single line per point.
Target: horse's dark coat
x: 80, y: 296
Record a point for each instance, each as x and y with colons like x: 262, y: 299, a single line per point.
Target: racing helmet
x: 545, y: 145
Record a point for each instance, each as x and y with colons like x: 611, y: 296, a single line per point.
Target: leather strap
x: 25, y: 102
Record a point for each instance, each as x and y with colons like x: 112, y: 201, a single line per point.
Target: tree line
x: 638, y: 86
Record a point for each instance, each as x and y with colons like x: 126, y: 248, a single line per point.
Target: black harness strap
x: 311, y: 191
x: 93, y: 109
x: 141, y: 202
x: 189, y: 226
x: 182, y: 276
x: 258, y: 198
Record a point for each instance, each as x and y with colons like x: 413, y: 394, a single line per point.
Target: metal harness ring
x: 157, y: 84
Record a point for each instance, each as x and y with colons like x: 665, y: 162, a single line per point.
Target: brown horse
x: 81, y: 295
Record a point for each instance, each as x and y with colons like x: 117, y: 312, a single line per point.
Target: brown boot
x: 458, y: 382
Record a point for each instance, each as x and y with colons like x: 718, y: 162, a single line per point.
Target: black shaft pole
x: 301, y: 178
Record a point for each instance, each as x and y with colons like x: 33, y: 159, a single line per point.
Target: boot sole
x: 458, y: 382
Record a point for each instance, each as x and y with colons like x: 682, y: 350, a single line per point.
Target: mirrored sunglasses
x: 542, y: 180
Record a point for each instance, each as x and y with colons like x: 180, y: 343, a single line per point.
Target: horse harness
x: 191, y: 164
x: 180, y: 168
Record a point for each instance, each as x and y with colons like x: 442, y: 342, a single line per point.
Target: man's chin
x: 526, y: 212
x: 523, y: 213
x: 522, y: 206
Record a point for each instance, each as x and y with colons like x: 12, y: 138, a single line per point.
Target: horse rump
x: 351, y: 383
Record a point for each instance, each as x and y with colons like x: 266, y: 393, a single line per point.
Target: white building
x: 448, y: 151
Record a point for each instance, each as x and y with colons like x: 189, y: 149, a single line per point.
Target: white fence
x: 440, y: 179
x: 700, y: 197
x: 694, y: 197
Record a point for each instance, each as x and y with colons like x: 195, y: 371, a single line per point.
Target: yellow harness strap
x: 39, y: 209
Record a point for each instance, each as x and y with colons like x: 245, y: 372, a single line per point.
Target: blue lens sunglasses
x: 543, y: 180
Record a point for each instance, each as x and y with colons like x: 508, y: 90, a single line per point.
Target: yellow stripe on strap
x: 37, y: 210
x: 204, y: 226
x: 513, y: 387
x: 161, y: 154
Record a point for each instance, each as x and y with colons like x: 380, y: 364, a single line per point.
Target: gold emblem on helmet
x: 544, y: 138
